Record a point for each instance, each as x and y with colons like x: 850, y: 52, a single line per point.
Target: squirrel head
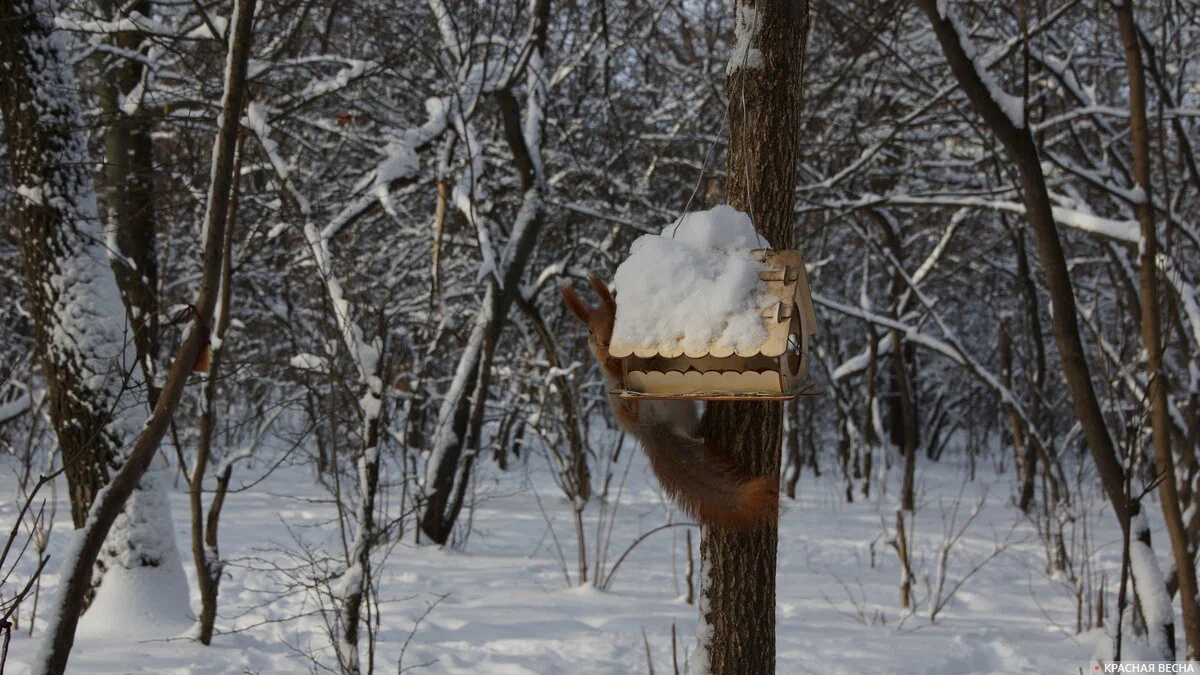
x: 599, y: 320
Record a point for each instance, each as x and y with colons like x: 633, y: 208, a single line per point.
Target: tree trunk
x: 1024, y: 454
x: 845, y: 447
x: 795, y: 458
x: 129, y: 174
x: 908, y: 423
x: 460, y: 417
x: 205, y: 553
x: 359, y: 565
x: 71, y: 295
x: 39, y: 71
x: 1020, y: 145
x: 870, y: 431
x: 91, y: 374
x: 906, y: 576
x: 1032, y: 448
x: 128, y: 190
x: 765, y: 89
x: 1185, y: 567
x: 905, y: 434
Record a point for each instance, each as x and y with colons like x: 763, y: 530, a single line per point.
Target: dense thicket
x: 417, y: 179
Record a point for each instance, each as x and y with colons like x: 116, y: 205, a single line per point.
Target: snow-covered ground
x: 503, y: 607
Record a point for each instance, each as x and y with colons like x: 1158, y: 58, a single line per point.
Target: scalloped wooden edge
x: 729, y: 381
x: 797, y: 392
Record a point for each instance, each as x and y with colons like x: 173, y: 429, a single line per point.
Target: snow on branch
x: 446, y: 28
x: 364, y: 354
x: 465, y: 195
x: 861, y: 361
x: 133, y: 22
x: 1151, y: 586
x: 1125, y: 231
x: 986, y: 61
x: 1012, y: 106
x: 951, y: 351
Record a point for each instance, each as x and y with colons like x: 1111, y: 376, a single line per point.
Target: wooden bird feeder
x: 776, y: 369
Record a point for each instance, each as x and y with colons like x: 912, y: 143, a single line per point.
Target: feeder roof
x: 782, y: 286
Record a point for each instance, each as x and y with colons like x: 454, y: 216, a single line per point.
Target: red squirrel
x: 703, y: 480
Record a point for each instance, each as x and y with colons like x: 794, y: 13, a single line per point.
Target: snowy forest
x: 308, y: 359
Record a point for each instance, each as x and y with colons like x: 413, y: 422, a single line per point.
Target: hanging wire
x: 741, y: 76
x: 704, y: 165
x: 700, y: 180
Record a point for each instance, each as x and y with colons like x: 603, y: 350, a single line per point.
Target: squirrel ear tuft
x: 574, y: 303
x: 602, y: 289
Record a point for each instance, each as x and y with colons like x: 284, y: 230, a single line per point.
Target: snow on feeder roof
x: 704, y: 313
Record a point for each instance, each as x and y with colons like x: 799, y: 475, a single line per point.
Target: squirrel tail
x: 706, y: 484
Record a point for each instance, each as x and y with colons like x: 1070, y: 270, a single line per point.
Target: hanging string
x: 700, y: 180
x: 704, y: 165
x: 741, y: 78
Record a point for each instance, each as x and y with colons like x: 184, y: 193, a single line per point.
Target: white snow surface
x: 142, y: 604
x: 693, y: 285
x: 1148, y: 578
x: 508, y: 609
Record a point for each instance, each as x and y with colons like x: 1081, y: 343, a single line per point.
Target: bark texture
x: 129, y: 177
x: 765, y: 90
x: 78, y: 344
x: 91, y: 370
x: 76, y: 577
